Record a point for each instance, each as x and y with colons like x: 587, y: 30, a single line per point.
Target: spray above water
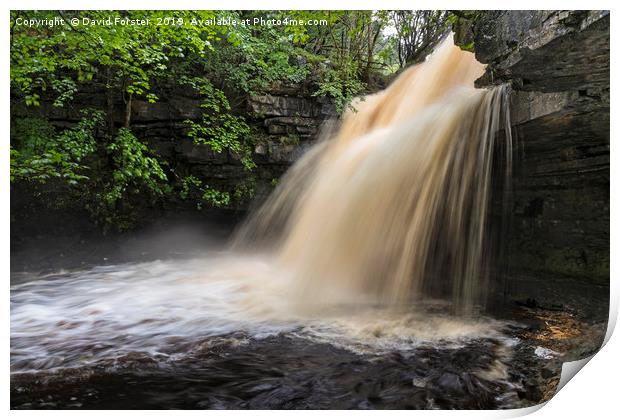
x: 395, y: 206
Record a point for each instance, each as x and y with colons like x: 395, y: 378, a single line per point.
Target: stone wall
x: 557, y: 64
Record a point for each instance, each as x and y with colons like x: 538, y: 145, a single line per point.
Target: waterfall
x: 353, y: 248
x: 394, y: 206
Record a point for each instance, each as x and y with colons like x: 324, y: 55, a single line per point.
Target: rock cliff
x: 557, y: 65
x: 284, y: 123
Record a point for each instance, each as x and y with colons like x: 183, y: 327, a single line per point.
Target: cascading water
x: 395, y: 205
x: 390, y: 209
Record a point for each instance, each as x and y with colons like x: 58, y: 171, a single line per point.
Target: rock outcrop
x: 290, y: 124
x: 284, y: 124
x: 557, y: 65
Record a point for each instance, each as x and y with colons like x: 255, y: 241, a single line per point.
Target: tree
x: 418, y: 31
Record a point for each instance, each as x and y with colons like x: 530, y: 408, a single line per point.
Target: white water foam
x: 166, y: 308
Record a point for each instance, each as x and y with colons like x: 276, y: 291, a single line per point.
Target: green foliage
x: 137, y: 55
x: 336, y: 56
x: 342, y: 86
x: 215, y: 197
x: 350, y: 51
x: 454, y: 16
x: 462, y: 23
x: 250, y: 59
x: 53, y: 64
x: 133, y: 167
x: 136, y: 176
x: 65, y: 89
x: 217, y: 127
x: 100, y: 162
x: 467, y: 47
x: 245, y: 189
x: 42, y: 154
x: 193, y: 188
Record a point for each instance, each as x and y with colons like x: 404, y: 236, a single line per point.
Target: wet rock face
x: 557, y: 63
x: 290, y: 106
x: 284, y: 126
x: 290, y: 124
x: 285, y: 121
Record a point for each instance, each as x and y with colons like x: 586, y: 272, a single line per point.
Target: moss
x: 467, y: 47
x: 576, y: 263
x: 592, y: 266
x: 463, y: 23
x: 290, y: 140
